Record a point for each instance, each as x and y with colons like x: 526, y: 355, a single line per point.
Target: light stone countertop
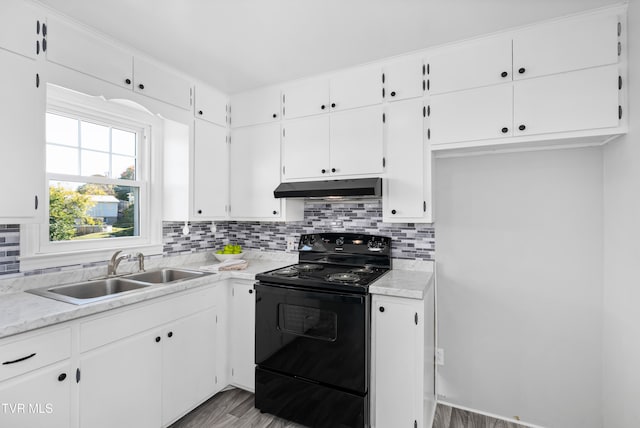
x: 21, y: 312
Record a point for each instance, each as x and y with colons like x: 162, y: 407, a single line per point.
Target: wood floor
x: 234, y: 409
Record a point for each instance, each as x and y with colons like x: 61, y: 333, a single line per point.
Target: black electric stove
x: 313, y: 330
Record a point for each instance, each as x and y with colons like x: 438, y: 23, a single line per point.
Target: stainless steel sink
x: 89, y: 291
x: 163, y: 276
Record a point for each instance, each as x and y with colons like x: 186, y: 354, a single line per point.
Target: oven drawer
x: 308, y: 403
x: 322, y: 336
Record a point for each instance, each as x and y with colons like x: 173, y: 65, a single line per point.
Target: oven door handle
x: 330, y: 296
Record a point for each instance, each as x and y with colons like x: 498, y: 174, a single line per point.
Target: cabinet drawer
x: 139, y: 318
x: 21, y: 356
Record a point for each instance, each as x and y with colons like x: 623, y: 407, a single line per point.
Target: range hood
x: 358, y: 187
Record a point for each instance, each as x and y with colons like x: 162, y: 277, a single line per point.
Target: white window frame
x: 37, y: 252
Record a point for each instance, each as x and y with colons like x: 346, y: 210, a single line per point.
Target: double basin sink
x: 100, y: 289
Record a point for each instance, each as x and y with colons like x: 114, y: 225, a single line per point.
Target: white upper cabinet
x: 356, y: 88
x: 403, y: 79
x: 471, y: 115
x: 21, y: 29
x: 469, y: 65
x: 210, y: 171
x: 356, y: 142
x: 585, y: 99
x: 255, y: 107
x: 305, y: 98
x: 305, y: 148
x: 406, y: 197
x: 565, y: 45
x: 22, y: 121
x: 211, y: 105
x: 88, y: 53
x: 157, y: 82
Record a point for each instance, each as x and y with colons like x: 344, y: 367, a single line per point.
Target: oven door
x: 318, y: 336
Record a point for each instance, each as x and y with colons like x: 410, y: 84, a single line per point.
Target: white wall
x: 621, y: 353
x: 519, y: 253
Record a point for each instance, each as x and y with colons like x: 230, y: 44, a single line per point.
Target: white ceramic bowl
x: 223, y: 257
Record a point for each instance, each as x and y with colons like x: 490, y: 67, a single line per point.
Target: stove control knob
x: 340, y: 242
x: 371, y: 243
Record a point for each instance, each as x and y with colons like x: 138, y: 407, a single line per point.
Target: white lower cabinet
x: 402, y: 361
x: 242, y: 337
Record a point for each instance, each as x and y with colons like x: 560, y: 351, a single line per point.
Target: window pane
x: 123, y: 142
x: 123, y: 167
x: 62, y: 130
x: 94, y: 136
x: 62, y: 160
x: 80, y: 211
x: 94, y: 163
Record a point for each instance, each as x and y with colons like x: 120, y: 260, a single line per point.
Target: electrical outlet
x: 440, y: 357
x: 214, y: 229
x: 291, y: 244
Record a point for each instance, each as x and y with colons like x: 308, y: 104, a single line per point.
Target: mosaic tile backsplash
x: 410, y: 241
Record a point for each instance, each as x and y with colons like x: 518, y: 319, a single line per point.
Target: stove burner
x: 289, y: 271
x: 346, y: 277
x: 362, y: 271
x: 307, y: 267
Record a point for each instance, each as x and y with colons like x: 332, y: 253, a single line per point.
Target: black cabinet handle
x: 127, y: 81
x: 522, y: 127
x: 504, y: 74
x: 170, y: 334
x: 333, y: 170
x: 6, y: 363
x: 44, y: 29
x: 322, y: 107
x: 250, y: 291
x: 37, y: 80
x: 37, y: 47
x: 505, y: 130
x: 36, y: 202
x: 62, y: 377
x: 275, y: 115
x: 333, y: 105
x: 324, y: 171
x: 381, y: 308
x: 275, y: 212
x: 521, y: 70
x: 141, y: 86
x: 200, y: 112
x: 393, y: 93
x: 38, y: 27
x: 157, y: 339
x: 44, y: 45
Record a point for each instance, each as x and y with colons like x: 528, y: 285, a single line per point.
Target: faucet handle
x: 140, y: 257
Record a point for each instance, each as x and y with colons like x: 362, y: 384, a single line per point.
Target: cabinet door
x: 403, y: 79
x: 470, y: 65
x: 305, y: 99
x: 20, y: 28
x: 211, y: 171
x: 356, y: 141
x: 586, y: 99
x: 157, y: 82
x: 356, y: 88
x: 41, y: 398
x: 475, y: 114
x: 398, y: 350
x: 305, y: 148
x: 255, y: 107
x: 120, y: 384
x: 87, y: 53
x: 211, y: 105
x: 22, y: 115
x: 565, y: 45
x: 406, y: 169
x: 243, y: 308
x: 188, y: 364
x: 255, y: 171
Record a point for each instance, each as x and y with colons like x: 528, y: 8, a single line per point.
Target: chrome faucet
x: 114, y: 262
x: 140, y: 257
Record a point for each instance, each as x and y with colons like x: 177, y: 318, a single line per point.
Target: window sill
x: 75, y: 258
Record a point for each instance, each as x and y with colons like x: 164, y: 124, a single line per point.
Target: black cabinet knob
x: 324, y: 170
x: 381, y: 309
x: 275, y: 115
x: 505, y: 130
x: 522, y: 127
x: 322, y: 107
x: 333, y: 105
x: 199, y: 211
x: 393, y: 211
x: 504, y: 74
x: 170, y: 334
x: 157, y: 339
x: 200, y: 112
x: 333, y: 170
x: 275, y: 212
x: 127, y: 81
x: 62, y: 377
x: 521, y: 70
x: 141, y: 86
x: 393, y: 93
x: 250, y: 291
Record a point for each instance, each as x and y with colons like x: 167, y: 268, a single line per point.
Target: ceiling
x: 236, y: 45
